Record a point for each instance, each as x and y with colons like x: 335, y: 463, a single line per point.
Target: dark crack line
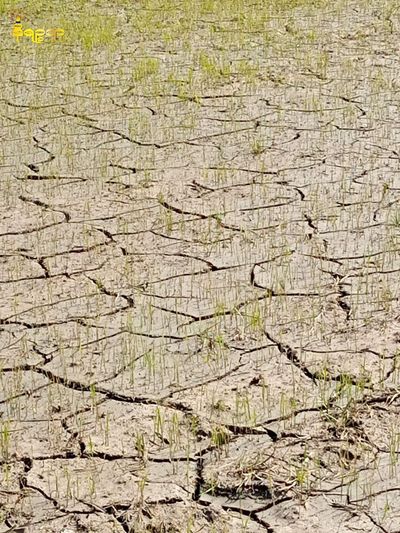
x: 203, y: 383
x: 92, y: 387
x: 209, y: 316
x: 212, y: 267
x: 47, y: 357
x: 39, y: 203
x: 247, y: 430
x: 26, y: 392
x: 75, y: 115
x: 310, y: 222
x: 129, y: 299
x: 131, y: 169
x: 48, y: 160
x: 195, y: 185
x: 7, y: 320
x: 29, y: 107
x: 112, y: 510
x: 326, y: 258
x: 341, y: 292
x: 265, y: 206
x: 202, y: 216
x: 300, y: 192
x: 77, y: 320
x: 42, y: 177
x: 49, y: 498
x: 263, y: 523
x: 75, y: 250
x: 41, y: 263
x: 189, y: 241
x: 126, y: 137
x: 199, y: 479
x: 291, y: 355
x: 33, y: 230
x: 50, y: 276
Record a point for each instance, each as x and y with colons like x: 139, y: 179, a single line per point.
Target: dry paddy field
x: 200, y: 257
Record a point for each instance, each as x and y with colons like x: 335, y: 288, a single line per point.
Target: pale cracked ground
x: 199, y: 312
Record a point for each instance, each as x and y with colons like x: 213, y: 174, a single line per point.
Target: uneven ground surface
x: 199, y: 283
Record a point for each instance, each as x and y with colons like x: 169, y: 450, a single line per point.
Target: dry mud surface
x: 199, y: 312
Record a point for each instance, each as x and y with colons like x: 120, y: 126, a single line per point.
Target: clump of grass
x: 91, y: 31
x: 219, y: 436
x: 145, y: 68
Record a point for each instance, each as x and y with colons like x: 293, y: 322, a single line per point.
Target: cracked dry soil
x: 199, y: 291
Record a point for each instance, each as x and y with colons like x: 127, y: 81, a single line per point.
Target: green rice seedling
x: 69, y: 489
x: 7, y: 478
x: 193, y: 424
x: 149, y: 363
x: 141, y: 486
x: 387, y: 508
x: 242, y: 406
x: 106, y: 440
x: 211, y: 485
x: 159, y: 424
x: 219, y: 406
x: 91, y: 486
x: 140, y: 444
x: 257, y: 148
x: 396, y: 367
x: 90, y: 449
x: 176, y: 373
x: 394, y: 446
x: 168, y: 222
x: 5, y: 439
x: 220, y: 309
x: 285, y: 408
x: 219, y: 436
x: 265, y: 395
x: 174, y: 433
x: 213, y: 68
x: 395, y: 220
x: 190, y: 524
x: 301, y: 476
x: 256, y: 321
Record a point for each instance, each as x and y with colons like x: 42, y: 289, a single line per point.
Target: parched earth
x: 199, y: 282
